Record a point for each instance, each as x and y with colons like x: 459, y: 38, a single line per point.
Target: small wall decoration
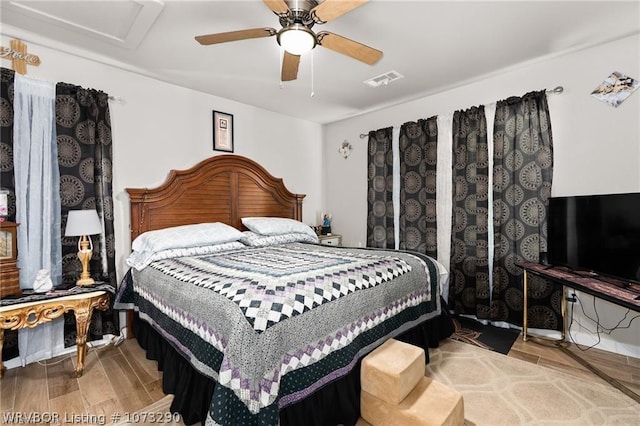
x: 222, y: 131
x: 345, y: 149
x: 615, y: 89
x: 20, y: 58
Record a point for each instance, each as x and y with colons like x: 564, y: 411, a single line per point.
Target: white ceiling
x: 435, y: 45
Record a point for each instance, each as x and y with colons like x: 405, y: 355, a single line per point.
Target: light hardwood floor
x: 133, y: 382
x: 624, y: 369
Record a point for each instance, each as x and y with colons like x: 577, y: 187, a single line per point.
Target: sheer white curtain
x: 395, y: 144
x: 37, y: 183
x: 444, y: 195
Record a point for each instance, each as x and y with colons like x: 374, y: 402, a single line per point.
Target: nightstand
x: 32, y: 313
x: 331, y: 240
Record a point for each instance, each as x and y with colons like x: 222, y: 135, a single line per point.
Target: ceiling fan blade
x: 348, y: 47
x: 329, y: 10
x: 279, y: 7
x: 290, y: 65
x: 235, y: 35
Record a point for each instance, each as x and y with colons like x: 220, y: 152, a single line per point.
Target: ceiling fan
x: 296, y: 37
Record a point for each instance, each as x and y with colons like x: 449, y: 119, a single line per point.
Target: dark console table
x: 615, y: 291
x: 610, y: 289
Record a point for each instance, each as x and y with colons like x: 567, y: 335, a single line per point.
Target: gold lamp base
x: 84, y: 255
x: 85, y: 281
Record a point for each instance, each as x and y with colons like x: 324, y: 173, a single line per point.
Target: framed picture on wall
x: 615, y: 89
x: 222, y: 131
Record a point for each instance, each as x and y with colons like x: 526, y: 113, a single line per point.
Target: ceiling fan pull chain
x: 312, y: 91
x: 280, y: 58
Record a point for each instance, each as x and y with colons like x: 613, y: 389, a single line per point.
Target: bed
x: 264, y: 326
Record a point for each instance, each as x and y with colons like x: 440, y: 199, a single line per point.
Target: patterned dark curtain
x: 469, y: 271
x: 522, y: 175
x: 418, y: 158
x: 380, y: 228
x: 85, y: 157
x: 6, y: 138
x: 10, y: 347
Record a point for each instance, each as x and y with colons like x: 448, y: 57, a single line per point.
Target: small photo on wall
x: 615, y: 89
x: 222, y: 131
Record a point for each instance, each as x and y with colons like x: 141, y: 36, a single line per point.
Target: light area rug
x: 499, y: 390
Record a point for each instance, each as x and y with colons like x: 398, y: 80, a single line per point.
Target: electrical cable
x: 599, y: 327
x: 48, y: 364
x: 115, y: 341
x: 602, y: 328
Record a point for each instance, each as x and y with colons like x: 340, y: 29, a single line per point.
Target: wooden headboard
x: 223, y: 188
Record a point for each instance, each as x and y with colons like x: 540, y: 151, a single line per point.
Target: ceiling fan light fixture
x: 297, y: 39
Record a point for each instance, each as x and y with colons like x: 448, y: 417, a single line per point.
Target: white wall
x: 597, y: 147
x: 159, y: 126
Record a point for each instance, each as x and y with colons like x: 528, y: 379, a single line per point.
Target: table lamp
x: 83, y: 223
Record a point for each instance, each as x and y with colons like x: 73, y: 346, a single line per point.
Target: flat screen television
x: 597, y: 235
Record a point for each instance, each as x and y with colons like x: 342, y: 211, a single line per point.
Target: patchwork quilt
x: 274, y: 324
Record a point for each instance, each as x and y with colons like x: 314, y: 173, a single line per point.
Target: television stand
x: 634, y: 288
x: 619, y: 283
x: 626, y: 296
x: 619, y: 292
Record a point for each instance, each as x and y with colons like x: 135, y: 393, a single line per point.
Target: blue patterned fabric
x: 274, y: 324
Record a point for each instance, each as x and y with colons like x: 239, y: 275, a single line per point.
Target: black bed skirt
x: 336, y: 403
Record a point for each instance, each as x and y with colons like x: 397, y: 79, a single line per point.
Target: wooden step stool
x: 395, y: 390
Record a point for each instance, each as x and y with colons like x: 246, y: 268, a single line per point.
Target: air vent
x: 383, y: 79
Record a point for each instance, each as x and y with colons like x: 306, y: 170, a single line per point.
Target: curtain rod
x: 555, y: 91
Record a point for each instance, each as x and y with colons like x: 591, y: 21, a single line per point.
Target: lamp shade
x: 296, y: 39
x: 82, y: 222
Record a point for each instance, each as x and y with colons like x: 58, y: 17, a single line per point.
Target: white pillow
x: 201, y: 234
x: 256, y: 240
x: 276, y: 226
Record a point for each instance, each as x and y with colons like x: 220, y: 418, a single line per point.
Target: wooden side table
x: 330, y: 240
x: 31, y: 314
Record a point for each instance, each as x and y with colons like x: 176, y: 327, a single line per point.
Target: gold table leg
x: 563, y: 310
x: 525, y: 314
x: 1, y: 345
x: 83, y: 314
x: 83, y: 310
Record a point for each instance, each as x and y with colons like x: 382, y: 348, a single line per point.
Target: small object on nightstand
x: 331, y: 240
x: 43, y: 282
x: 326, y: 224
x: 9, y: 272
